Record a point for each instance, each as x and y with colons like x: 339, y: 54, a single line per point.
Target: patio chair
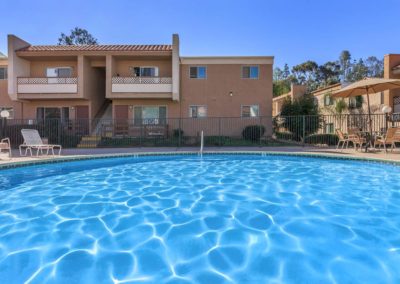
x: 32, y: 140
x: 5, y: 145
x: 392, y: 136
x: 356, y: 138
x: 342, y: 139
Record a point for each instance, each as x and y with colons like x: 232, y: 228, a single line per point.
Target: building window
x: 328, y: 101
x: 198, y: 111
x: 44, y: 113
x: 149, y: 115
x: 355, y: 102
x: 59, y: 72
x: 10, y: 111
x: 198, y: 72
x: 329, y: 128
x: 382, y: 98
x: 3, y: 73
x: 144, y: 71
x: 250, y: 72
x: 250, y: 111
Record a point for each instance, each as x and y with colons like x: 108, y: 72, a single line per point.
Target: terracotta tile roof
x: 106, y: 47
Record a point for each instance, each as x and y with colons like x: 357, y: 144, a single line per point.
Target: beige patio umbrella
x: 365, y: 87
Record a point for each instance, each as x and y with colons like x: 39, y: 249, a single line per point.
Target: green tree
x: 77, y: 36
x: 340, y: 106
x: 280, y: 87
x: 345, y: 63
x: 328, y: 74
x: 374, y: 66
x: 301, y: 116
x: 358, y: 71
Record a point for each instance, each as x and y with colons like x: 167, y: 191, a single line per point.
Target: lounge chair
x: 5, y: 145
x: 392, y: 136
x: 342, y: 139
x: 32, y: 140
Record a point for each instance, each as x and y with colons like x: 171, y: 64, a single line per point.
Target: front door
x: 121, y: 115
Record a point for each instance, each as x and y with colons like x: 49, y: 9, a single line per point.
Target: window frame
x: 61, y: 111
x: 250, y: 66
x: 142, y: 120
x: 328, y: 96
x: 258, y: 111
x: 60, y: 67
x: 197, y: 112
x: 5, y: 68
x: 197, y: 67
x: 156, y: 71
x: 328, y: 129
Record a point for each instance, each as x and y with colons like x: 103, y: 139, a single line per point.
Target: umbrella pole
x: 369, y: 119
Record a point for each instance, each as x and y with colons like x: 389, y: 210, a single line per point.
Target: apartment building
x: 392, y: 71
x: 134, y: 83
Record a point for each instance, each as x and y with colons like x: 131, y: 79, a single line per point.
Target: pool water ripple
x: 186, y: 219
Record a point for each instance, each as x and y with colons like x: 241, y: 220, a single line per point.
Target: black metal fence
x: 181, y: 132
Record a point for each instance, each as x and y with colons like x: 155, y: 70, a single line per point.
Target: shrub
x: 329, y: 139
x: 253, y: 132
x: 300, y: 117
x: 178, y: 133
x: 284, y: 136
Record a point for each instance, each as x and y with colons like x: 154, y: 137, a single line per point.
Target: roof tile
x: 106, y: 47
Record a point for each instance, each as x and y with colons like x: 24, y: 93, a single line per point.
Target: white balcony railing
x: 38, y: 85
x: 141, y: 84
x: 142, y: 80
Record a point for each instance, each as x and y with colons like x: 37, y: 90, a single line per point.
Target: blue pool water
x: 186, y: 219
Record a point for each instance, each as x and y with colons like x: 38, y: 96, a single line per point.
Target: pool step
x: 89, y: 142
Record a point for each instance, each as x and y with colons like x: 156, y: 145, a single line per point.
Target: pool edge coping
x: 73, y: 158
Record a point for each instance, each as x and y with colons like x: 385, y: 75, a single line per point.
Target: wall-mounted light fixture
x: 130, y: 107
x: 72, y: 108
x: 231, y: 94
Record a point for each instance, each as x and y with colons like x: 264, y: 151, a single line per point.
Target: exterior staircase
x: 89, y: 142
x: 102, y: 119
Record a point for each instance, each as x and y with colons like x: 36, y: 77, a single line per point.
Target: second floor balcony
x: 47, y: 85
x: 142, y: 85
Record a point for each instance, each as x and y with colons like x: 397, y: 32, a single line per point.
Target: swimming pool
x: 215, y: 219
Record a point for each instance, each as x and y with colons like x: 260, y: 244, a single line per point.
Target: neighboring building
x: 5, y: 102
x: 355, y: 105
x: 138, y: 83
x: 392, y: 71
x: 296, y: 91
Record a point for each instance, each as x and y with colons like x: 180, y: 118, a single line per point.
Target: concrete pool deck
x: 331, y: 152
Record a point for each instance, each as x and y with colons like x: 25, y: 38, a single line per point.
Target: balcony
x: 47, y: 85
x: 142, y: 87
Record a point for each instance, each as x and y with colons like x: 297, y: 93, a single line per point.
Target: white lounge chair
x: 5, y: 145
x: 32, y: 140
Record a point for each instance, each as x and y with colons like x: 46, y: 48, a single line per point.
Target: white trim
x: 258, y: 72
x: 142, y: 106
x: 190, y: 113
x: 198, y: 66
x: 227, y: 60
x: 156, y: 70
x: 250, y: 105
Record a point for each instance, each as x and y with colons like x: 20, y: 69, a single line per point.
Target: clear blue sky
x: 291, y: 30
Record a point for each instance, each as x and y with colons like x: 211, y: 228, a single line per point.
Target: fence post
x: 179, y: 132
x: 304, y: 130
x: 259, y: 132
x: 59, y: 131
x: 219, y: 132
